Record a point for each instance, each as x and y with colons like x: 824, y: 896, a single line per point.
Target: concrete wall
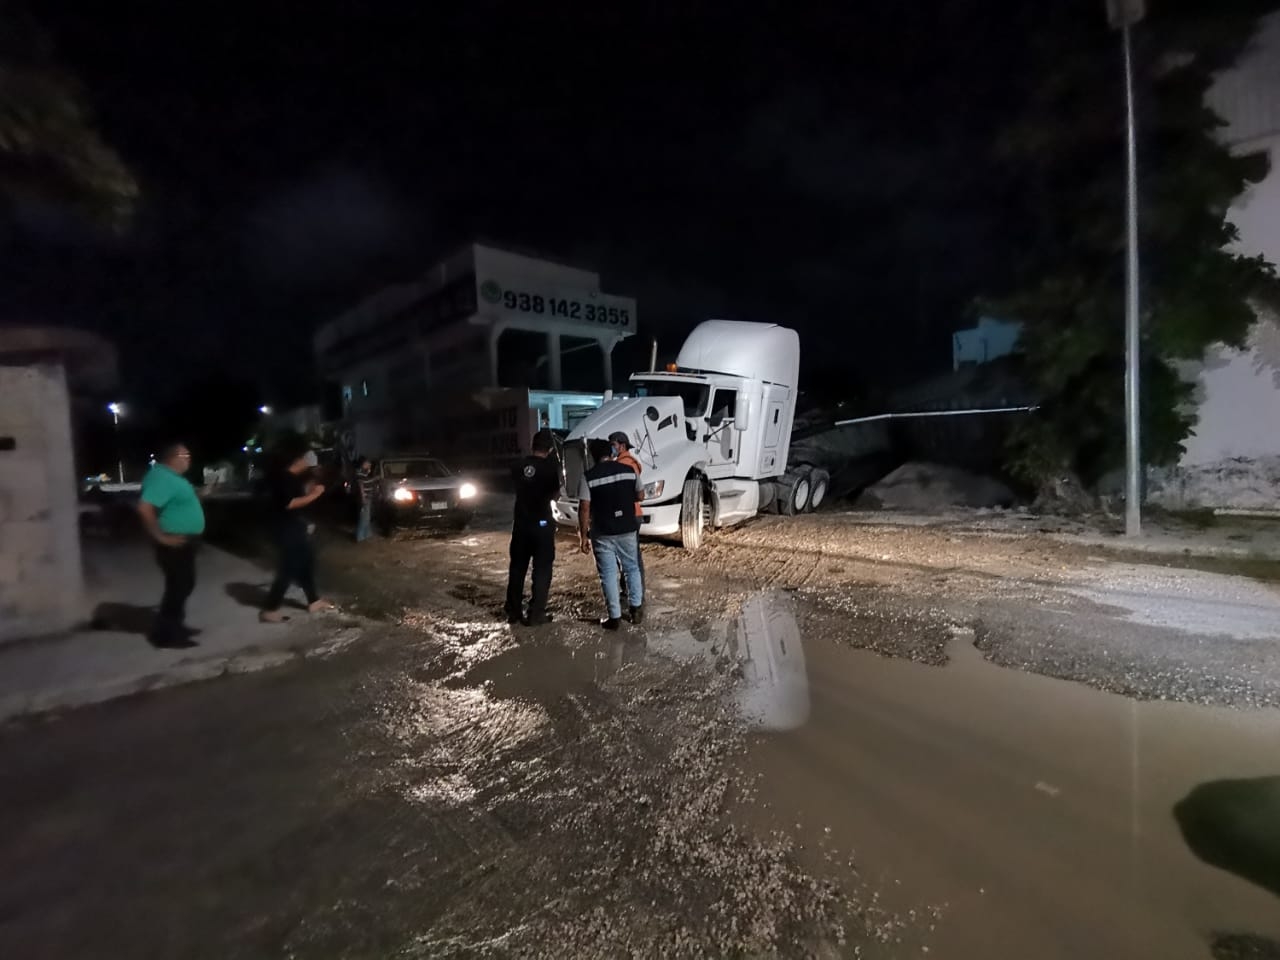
x: 41, y: 584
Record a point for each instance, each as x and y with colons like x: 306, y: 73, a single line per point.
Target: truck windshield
x: 414, y: 469
x: 694, y: 395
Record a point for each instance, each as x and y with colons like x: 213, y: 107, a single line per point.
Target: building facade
x: 1232, y: 458
x: 489, y: 343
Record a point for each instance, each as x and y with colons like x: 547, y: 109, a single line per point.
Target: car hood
x: 426, y: 483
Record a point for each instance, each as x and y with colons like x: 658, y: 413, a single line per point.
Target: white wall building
x: 1233, y: 457
x: 488, y: 343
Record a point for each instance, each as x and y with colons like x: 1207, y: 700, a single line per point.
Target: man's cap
x: 621, y: 438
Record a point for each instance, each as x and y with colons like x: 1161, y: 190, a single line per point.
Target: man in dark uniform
x: 533, y: 531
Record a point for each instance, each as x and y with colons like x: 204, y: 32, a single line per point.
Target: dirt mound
x: 931, y: 486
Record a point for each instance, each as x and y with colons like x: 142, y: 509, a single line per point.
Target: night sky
x: 824, y: 168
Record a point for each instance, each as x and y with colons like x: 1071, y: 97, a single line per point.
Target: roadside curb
x: 248, y: 660
x: 1166, y: 549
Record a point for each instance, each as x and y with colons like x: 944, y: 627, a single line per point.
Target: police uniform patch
x: 529, y: 471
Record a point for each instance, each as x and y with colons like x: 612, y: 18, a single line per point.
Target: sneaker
x: 513, y: 617
x: 637, y: 615
x: 611, y: 623
x: 536, y: 620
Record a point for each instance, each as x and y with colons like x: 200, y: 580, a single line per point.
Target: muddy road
x: 831, y: 737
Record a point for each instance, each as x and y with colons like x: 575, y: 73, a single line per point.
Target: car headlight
x: 654, y: 490
x: 402, y: 495
x: 467, y: 491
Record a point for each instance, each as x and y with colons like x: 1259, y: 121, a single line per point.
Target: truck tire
x: 693, y: 519
x: 795, y: 489
x: 819, y: 483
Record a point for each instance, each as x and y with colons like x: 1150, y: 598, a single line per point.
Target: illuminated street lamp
x: 1123, y: 14
x: 265, y: 410
x: 117, y: 410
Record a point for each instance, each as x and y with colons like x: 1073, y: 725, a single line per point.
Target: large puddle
x: 1043, y: 818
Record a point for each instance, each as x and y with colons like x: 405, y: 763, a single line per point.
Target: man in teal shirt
x: 172, y: 515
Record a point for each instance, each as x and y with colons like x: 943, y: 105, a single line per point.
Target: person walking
x: 291, y: 493
x: 366, y: 492
x: 622, y: 453
x: 607, y: 527
x: 174, y: 520
x: 533, y: 532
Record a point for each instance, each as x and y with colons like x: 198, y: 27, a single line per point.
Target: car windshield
x: 694, y: 395
x: 414, y: 469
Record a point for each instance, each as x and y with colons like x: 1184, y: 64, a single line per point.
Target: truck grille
x: 574, y: 455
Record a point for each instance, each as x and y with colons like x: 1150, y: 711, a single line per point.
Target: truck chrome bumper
x: 660, y: 521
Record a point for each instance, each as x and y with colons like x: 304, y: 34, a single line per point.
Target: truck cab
x: 711, y: 432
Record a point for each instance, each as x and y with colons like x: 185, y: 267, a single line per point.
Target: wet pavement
x: 805, y: 751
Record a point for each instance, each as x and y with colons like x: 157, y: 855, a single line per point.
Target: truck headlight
x: 654, y: 490
x: 402, y: 495
x: 467, y: 491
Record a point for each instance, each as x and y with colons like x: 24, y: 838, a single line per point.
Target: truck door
x: 722, y: 438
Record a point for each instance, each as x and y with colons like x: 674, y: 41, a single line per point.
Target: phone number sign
x: 601, y: 310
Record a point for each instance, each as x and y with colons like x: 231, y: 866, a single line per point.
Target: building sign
x: 520, y: 299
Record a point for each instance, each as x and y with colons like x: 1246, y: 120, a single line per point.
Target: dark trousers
x: 536, y: 544
x: 178, y: 564
x: 296, y: 564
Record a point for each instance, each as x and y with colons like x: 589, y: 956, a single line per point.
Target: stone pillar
x: 495, y: 334
x: 553, y: 359
x: 41, y: 584
x: 606, y: 350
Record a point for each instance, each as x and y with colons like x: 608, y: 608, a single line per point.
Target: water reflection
x: 774, y: 692
x: 762, y: 643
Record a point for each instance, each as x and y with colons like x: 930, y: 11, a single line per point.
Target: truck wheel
x: 692, y: 519
x: 820, y: 480
x: 795, y: 493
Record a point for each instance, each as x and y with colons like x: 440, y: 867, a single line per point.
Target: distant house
x: 987, y: 341
x: 474, y: 355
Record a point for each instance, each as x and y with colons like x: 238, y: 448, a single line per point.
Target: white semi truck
x: 712, y: 432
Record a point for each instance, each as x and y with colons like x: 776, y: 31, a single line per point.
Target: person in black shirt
x: 291, y: 492
x: 533, y: 531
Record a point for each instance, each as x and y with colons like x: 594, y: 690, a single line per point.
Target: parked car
x: 416, y: 490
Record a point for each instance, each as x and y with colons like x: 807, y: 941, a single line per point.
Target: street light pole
x: 1123, y: 14
x: 115, y: 418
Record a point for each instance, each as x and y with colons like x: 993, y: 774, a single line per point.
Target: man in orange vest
x: 622, y: 453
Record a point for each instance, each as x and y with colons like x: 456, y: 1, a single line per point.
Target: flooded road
x: 1037, y: 815
x: 805, y: 751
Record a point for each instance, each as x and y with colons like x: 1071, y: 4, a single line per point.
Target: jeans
x: 610, y: 551
x: 297, y: 564
x: 536, y: 544
x: 178, y: 564
x: 364, y: 523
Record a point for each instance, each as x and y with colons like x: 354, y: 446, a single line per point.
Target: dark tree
x: 50, y: 152
x: 1063, y: 157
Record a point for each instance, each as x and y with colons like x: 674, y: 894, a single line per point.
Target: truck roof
x: 761, y: 351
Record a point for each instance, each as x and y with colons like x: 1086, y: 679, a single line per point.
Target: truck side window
x: 723, y: 405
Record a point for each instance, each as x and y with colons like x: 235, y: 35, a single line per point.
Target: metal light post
x: 1123, y: 14
x: 116, y: 409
